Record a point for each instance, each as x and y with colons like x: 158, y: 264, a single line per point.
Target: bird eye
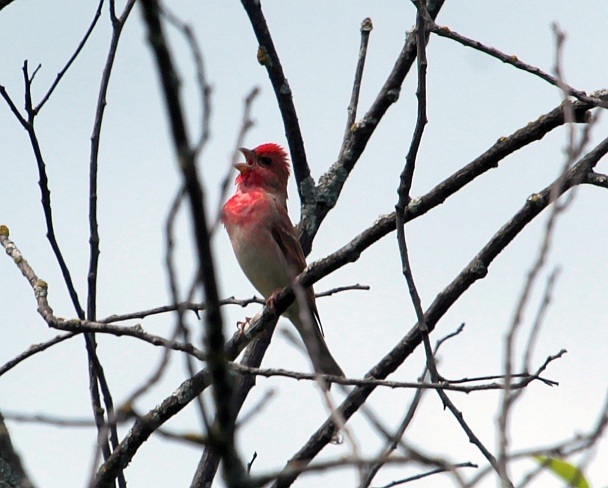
x: 265, y: 161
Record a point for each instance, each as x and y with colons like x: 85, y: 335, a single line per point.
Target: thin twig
x: 538, y: 320
x: 405, y: 184
x: 81, y: 45
x: 515, y: 62
x: 394, y: 440
x: 428, y: 473
x: 35, y: 349
x: 201, y: 78
x: 573, y: 151
x: 366, y: 30
x: 97, y: 376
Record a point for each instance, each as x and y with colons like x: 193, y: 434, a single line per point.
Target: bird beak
x: 249, y: 158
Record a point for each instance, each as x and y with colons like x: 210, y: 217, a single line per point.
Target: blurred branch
x: 574, y: 149
x: 577, y: 443
x: 221, y: 436
x: 12, y: 473
x: 539, y: 319
x: 201, y: 78
x: 246, y: 124
x: 251, y: 360
x: 181, y: 329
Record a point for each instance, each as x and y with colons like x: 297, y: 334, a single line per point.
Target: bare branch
x: 476, y: 269
x: 222, y: 435
x: 429, y: 473
x: 34, y: 349
x: 598, y: 179
x: 81, y: 45
x: 366, y: 30
x: 201, y: 77
x: 327, y: 192
x: 40, y: 289
x: 269, y: 58
x: 514, y: 61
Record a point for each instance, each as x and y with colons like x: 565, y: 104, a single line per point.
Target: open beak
x: 249, y: 158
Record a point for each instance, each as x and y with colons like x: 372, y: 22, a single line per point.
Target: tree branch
x: 475, y: 270
x: 331, y: 183
x: 222, y: 435
x: 269, y: 58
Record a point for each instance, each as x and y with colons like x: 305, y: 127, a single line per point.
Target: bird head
x: 265, y: 167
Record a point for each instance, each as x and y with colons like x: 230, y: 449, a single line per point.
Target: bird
x: 266, y: 244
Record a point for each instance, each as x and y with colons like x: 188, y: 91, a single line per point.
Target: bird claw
x: 241, y: 326
x: 271, y: 301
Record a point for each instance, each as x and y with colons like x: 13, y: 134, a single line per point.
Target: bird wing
x: 284, y: 233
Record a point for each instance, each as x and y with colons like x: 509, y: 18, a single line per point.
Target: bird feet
x: 242, y: 326
x: 271, y: 301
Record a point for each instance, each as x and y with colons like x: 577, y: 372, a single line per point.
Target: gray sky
x: 472, y: 101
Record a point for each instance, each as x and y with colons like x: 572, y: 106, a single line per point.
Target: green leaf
x: 566, y: 471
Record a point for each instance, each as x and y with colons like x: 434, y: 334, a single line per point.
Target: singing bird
x: 266, y: 244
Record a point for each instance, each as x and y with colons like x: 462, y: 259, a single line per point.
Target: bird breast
x: 249, y: 218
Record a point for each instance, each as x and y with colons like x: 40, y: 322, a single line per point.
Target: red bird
x: 266, y: 244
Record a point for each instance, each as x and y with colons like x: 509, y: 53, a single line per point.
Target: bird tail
x: 322, y: 360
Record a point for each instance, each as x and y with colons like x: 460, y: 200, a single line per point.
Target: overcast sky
x: 472, y: 101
